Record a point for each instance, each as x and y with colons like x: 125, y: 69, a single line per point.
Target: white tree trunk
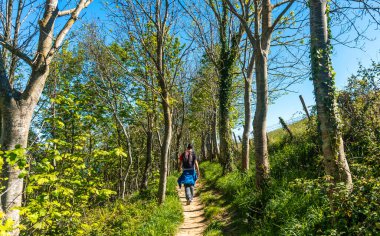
x: 16, y: 119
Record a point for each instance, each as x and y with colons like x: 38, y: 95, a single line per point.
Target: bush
x: 360, y: 108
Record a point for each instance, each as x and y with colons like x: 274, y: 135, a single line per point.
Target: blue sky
x: 345, y: 62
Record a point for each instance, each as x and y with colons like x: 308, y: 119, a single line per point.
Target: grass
x: 214, y: 211
x: 295, y: 201
x: 139, y: 215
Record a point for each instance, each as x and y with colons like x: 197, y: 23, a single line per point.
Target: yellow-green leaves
x: 5, y: 226
x: 15, y: 157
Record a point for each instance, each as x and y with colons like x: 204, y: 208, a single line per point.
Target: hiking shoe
x: 188, y: 202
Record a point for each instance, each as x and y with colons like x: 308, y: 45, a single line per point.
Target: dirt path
x: 195, y: 222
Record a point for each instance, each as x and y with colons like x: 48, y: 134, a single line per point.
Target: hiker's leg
x: 192, y: 192
x: 187, y: 192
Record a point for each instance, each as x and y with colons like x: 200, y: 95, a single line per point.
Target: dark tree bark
x: 148, y: 161
x: 203, y: 145
x: 228, y: 56
x: 335, y: 162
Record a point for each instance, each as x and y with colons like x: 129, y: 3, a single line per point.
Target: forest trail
x: 194, y: 219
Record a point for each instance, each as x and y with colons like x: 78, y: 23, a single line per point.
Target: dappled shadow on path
x: 194, y: 218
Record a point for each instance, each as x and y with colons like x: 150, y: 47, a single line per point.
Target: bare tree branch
x: 71, y: 11
x: 16, y: 51
x: 74, y: 17
x: 281, y: 15
x: 242, y: 17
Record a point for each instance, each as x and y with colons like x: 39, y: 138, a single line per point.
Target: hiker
x: 188, y: 162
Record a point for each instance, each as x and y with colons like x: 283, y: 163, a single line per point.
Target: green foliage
x: 63, y: 181
x: 18, y: 158
x: 214, y: 209
x: 15, y: 157
x: 296, y: 202
x: 139, y: 215
x: 60, y: 187
x: 6, y: 226
x: 360, y: 111
x: 213, y: 232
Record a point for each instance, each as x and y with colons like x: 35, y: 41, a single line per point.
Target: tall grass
x: 295, y: 201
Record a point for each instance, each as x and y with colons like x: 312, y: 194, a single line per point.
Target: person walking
x: 188, y: 164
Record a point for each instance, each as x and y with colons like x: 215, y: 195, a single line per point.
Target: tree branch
x: 47, y: 48
x: 70, y: 11
x: 280, y: 4
x: 5, y: 86
x: 16, y: 51
x: 281, y: 15
x: 243, y: 20
x: 216, y: 12
x: 74, y: 17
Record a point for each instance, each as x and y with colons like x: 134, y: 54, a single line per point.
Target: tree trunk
x: 247, y: 114
x: 177, y: 148
x: 210, y: 147
x: 1, y: 123
x: 179, y: 135
x: 167, y: 113
x: 169, y: 161
x: 236, y: 142
x: 149, y: 147
x: 121, y: 175
x: 225, y: 134
x: 17, y: 114
x: 165, y: 151
x: 336, y: 166
x: 260, y: 120
x: 285, y: 127
x: 203, y: 145
x: 261, y: 51
x: 16, y: 119
x: 129, y: 148
x: 214, y: 137
x: 228, y: 55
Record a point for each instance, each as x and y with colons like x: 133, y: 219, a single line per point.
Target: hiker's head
x: 189, y: 146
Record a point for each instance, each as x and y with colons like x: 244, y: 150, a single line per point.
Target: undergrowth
x: 295, y: 201
x: 139, y: 215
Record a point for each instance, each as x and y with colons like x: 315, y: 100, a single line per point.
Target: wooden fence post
x: 304, y: 107
x: 285, y: 127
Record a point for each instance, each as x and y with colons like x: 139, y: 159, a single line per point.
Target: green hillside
x: 296, y: 199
